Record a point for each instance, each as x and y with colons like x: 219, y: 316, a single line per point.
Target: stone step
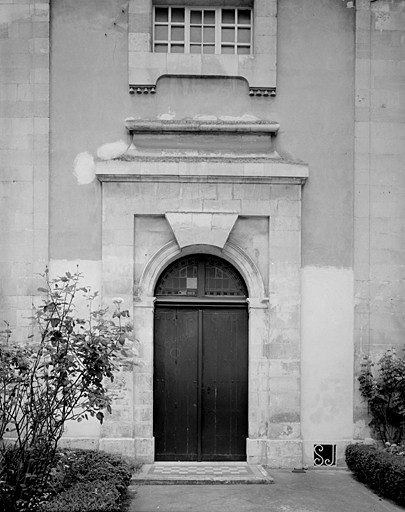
x: 195, y: 473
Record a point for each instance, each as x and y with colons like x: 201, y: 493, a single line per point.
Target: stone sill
x: 225, y: 170
x: 259, y: 70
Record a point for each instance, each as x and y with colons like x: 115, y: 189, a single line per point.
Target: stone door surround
x: 244, y: 208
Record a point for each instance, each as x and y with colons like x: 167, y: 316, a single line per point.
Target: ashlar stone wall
x: 24, y: 148
x: 379, y: 261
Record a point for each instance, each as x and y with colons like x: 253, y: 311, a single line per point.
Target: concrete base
x: 145, y: 449
x: 124, y: 446
x: 274, y: 453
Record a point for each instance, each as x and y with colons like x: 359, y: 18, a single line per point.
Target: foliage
x: 59, y: 374
x: 381, y: 471
x: 87, y: 481
x: 394, y: 449
x: 74, y: 466
x: 95, y: 496
x: 385, y: 395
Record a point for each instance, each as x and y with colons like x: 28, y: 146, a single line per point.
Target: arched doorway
x: 200, y: 387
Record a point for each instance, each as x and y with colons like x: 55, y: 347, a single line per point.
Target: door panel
x: 200, y: 384
x: 175, y: 386
x: 224, y: 385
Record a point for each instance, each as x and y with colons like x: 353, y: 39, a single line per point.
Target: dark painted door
x: 200, y: 383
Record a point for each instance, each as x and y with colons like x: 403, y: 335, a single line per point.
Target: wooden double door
x: 200, y: 383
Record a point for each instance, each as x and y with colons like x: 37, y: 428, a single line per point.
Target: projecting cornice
x: 210, y: 151
x: 198, y: 126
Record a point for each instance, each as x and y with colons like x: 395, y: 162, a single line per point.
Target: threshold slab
x: 192, y: 473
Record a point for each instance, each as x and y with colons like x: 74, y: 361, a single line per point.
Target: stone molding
x: 193, y: 125
x: 185, y: 151
x: 191, y: 170
x: 171, y: 251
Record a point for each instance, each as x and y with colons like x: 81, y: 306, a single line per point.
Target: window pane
x: 209, y: 17
x: 243, y: 17
x: 161, y: 14
x: 244, y: 50
x: 209, y: 34
x: 195, y: 48
x: 243, y: 35
x: 161, y: 32
x: 161, y: 48
x: 195, y: 34
x: 228, y: 35
x: 180, y: 279
x: 224, y: 281
x: 227, y: 49
x: 177, y: 48
x: 196, y: 17
x: 209, y: 48
x: 228, y: 15
x: 178, y: 15
x: 177, y: 33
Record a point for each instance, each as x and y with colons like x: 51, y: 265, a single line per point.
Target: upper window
x: 214, y: 30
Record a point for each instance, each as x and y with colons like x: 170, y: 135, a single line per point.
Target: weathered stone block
x: 120, y: 446
x: 145, y: 449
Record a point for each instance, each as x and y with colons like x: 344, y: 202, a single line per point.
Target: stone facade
x: 24, y: 160
x: 379, y: 183
x: 301, y: 192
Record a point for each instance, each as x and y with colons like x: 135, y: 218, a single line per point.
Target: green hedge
x: 88, y: 481
x: 382, y: 472
x: 94, y: 496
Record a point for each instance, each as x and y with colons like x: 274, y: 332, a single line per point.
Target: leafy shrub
x: 87, y: 481
x: 395, y: 449
x: 383, y: 472
x: 385, y: 396
x: 60, y: 373
x: 94, y: 496
x: 87, y: 465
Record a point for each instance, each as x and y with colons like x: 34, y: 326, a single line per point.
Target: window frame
x: 203, y: 290
x: 218, y: 26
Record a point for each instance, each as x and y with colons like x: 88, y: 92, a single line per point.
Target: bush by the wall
x: 94, y: 496
x: 58, y: 374
x: 383, y: 472
x: 87, y: 481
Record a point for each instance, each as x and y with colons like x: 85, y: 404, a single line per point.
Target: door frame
x: 200, y: 307
x: 144, y: 306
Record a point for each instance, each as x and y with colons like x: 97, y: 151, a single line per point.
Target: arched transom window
x: 201, y: 276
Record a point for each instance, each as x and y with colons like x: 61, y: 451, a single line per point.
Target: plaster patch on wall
x: 327, y: 353
x: 112, y: 150
x: 84, y: 168
x: 202, y: 117
x: 244, y: 118
x: 168, y: 116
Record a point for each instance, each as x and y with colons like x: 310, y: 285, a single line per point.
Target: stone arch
x: 231, y: 253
